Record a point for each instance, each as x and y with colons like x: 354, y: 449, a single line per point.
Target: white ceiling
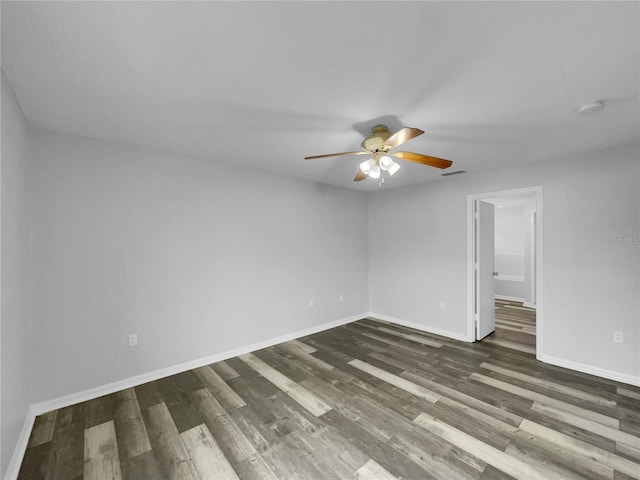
x: 265, y: 84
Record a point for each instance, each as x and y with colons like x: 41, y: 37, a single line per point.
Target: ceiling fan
x: 379, y: 145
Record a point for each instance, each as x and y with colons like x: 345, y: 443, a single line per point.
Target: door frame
x: 537, y: 190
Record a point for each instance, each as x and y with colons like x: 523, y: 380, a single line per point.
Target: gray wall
x: 510, y: 228
x: 418, y: 254
x: 509, y: 234
x: 16, y: 354
x: 194, y: 256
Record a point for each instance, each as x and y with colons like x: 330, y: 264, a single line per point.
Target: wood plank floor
x: 515, y: 327
x: 368, y: 400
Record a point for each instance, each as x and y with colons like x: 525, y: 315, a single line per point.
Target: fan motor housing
x: 379, y: 135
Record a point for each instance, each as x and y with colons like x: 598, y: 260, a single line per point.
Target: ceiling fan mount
x: 375, y: 141
x: 379, y: 145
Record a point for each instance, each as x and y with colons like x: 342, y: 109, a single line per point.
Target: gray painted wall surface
x: 418, y: 254
x: 195, y: 257
x: 16, y: 355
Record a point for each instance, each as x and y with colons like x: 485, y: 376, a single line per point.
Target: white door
x: 485, y: 289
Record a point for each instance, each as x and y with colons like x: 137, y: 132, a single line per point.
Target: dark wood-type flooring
x: 368, y: 400
x: 515, y: 327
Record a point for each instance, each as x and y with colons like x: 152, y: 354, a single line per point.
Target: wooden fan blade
x: 360, y: 176
x: 360, y: 152
x: 402, y: 136
x: 424, y: 159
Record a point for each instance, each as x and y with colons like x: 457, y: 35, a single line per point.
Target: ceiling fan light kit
x: 379, y: 145
x: 378, y: 164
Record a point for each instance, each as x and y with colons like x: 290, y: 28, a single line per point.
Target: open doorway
x: 505, y: 268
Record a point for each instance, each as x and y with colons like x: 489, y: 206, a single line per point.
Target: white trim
x: 538, y: 245
x: 510, y: 278
x: 529, y: 305
x: 91, y: 393
x: 599, y: 372
x: 510, y: 299
x: 13, y: 469
x: 471, y: 318
x: 418, y: 326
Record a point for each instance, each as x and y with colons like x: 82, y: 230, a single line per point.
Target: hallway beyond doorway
x: 515, y: 327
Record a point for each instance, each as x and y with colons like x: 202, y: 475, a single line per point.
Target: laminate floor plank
x: 208, y: 459
x: 36, y: 464
x: 176, y: 398
x: 589, y: 425
x: 395, y: 380
x: 219, y: 388
x: 567, y: 442
x: 99, y: 410
x: 462, y: 398
x: 628, y: 392
x: 67, y: 449
x: 568, y: 379
x: 291, y: 367
x: 294, y: 390
x: 510, y: 343
x: 389, y: 458
x: 132, y: 433
x: 362, y: 410
x: 223, y: 369
x: 101, y: 460
x: 368, y: 400
x: 338, y: 455
x: 546, y: 400
x: 629, y: 452
x: 296, y: 349
x: 373, y: 471
x: 607, y: 415
x: 43, y: 428
x: 500, y: 460
x: 230, y: 438
x: 404, y: 345
x: 147, y: 395
x: 255, y: 468
x: 292, y: 459
x: 143, y: 466
x: 168, y: 445
x: 524, y: 445
x: 255, y: 429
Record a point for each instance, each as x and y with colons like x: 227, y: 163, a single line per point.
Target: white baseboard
x: 591, y: 370
x: 13, y: 469
x: 529, y: 305
x: 436, y: 331
x: 89, y: 394
x: 508, y: 298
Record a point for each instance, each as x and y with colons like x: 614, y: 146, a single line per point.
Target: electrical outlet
x: 618, y: 337
x: 311, y: 303
x: 133, y: 339
x: 341, y: 298
x: 443, y: 305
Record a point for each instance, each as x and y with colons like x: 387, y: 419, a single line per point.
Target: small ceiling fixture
x: 379, y: 145
x: 591, y: 107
